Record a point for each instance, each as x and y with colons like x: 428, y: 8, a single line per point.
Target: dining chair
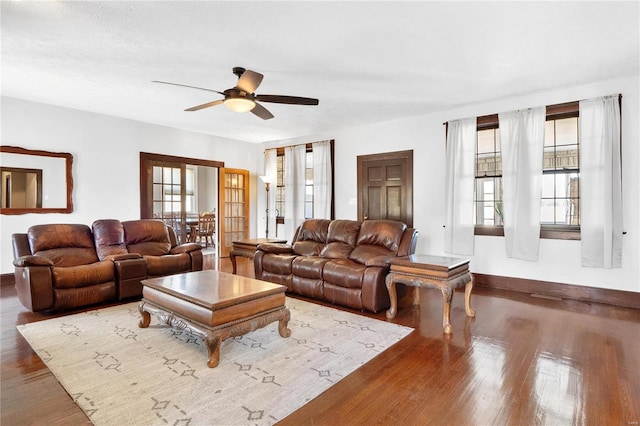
x: 206, y: 229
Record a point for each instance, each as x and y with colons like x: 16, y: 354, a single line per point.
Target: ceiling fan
x: 242, y: 97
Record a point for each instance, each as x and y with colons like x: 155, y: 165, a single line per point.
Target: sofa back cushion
x: 109, y: 237
x: 63, y: 244
x: 377, y: 238
x: 341, y: 239
x: 311, y: 237
x: 146, y: 237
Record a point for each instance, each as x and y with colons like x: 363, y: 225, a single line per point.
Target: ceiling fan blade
x: 294, y: 100
x: 207, y: 105
x: 249, y: 81
x: 261, y: 112
x: 184, y: 85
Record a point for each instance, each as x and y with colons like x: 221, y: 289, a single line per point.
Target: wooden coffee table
x: 247, y: 248
x: 441, y: 272
x: 214, y: 305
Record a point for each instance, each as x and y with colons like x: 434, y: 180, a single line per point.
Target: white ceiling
x: 365, y: 61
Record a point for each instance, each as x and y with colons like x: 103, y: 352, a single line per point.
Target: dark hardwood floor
x: 523, y: 360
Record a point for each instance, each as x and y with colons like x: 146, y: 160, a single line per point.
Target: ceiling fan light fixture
x: 239, y: 104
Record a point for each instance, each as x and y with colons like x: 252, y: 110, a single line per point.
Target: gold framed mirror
x: 35, y: 181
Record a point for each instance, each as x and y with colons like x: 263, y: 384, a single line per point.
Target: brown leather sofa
x: 64, y: 266
x: 339, y: 261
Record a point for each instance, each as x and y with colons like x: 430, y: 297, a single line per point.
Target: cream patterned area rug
x: 121, y: 374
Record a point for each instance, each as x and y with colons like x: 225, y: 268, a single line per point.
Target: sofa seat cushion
x: 336, y: 250
x: 168, y: 264
x: 368, y: 254
x: 308, y: 248
x: 68, y: 257
x: 308, y: 266
x: 344, y: 273
x: 278, y: 264
x: 83, y: 275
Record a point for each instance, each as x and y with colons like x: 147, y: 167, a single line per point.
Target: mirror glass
x: 21, y: 188
x: 35, y: 181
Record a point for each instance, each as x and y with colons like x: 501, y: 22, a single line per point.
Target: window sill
x: 546, y: 232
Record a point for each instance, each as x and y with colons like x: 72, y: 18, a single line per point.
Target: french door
x: 234, y: 208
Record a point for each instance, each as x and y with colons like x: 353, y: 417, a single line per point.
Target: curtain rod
x: 305, y: 144
x: 556, y: 105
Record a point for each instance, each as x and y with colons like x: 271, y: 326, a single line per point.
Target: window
x: 488, y: 200
x: 309, y: 189
x: 560, y: 189
x: 560, y: 212
x: 280, y: 187
x: 308, y: 185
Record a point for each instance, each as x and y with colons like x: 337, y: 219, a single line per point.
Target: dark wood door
x: 385, y: 186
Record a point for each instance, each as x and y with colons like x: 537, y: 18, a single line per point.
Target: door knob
x: 366, y: 217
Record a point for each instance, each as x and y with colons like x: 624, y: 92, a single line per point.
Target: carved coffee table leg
x: 447, y: 295
x: 283, y: 322
x: 391, y: 287
x: 212, y: 343
x: 467, y: 298
x: 146, y: 316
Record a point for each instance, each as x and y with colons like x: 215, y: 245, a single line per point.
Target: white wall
x: 106, y: 170
x: 559, y: 260
x: 106, y: 161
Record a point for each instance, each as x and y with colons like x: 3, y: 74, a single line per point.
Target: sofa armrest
x: 186, y: 248
x: 34, y: 285
x: 275, y: 248
x: 30, y: 260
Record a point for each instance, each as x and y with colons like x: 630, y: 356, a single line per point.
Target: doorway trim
x: 146, y: 158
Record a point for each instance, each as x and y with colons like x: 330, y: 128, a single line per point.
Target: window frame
x: 556, y: 232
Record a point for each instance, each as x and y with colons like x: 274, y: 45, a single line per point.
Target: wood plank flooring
x: 522, y: 361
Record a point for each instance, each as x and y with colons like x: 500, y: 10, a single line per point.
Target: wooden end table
x: 247, y: 248
x: 444, y: 273
x: 214, y: 305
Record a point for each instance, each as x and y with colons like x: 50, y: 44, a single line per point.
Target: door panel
x: 385, y: 186
x: 233, y: 208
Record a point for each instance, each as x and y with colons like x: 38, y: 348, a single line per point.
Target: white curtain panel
x: 322, y: 180
x: 522, y: 139
x: 460, y: 181
x: 271, y: 171
x: 600, y: 183
x: 294, y: 180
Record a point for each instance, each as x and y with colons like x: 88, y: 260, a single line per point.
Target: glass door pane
x: 168, y: 198
x: 234, y: 208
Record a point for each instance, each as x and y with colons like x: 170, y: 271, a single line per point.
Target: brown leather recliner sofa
x: 65, y: 266
x: 339, y: 261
